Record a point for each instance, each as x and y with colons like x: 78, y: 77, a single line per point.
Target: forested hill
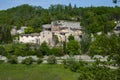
x: 93, y: 19
x: 26, y: 15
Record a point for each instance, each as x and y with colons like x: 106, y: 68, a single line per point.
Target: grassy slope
x: 35, y: 72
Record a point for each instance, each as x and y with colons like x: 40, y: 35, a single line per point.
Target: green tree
x: 5, y: 35
x: 57, y: 51
x: 85, y: 43
x: 71, y: 37
x: 29, y: 30
x: 98, y: 45
x: 73, y: 47
x: 2, y: 50
x: 44, y: 49
x: 105, y: 45
x: 9, y: 49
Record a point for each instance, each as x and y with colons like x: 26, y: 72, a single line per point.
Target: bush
x: 57, y: 51
x: 38, y: 53
x: 68, y: 61
x: 71, y: 64
x: 28, y: 61
x: 65, y: 63
x: 2, y: 51
x: 85, y: 76
x: 39, y: 61
x: 12, y: 60
x: 74, y: 65
x: 51, y: 59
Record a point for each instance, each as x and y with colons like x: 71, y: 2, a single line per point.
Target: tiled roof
x: 62, y: 24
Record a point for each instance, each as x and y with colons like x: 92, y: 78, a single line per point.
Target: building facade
x: 61, y: 29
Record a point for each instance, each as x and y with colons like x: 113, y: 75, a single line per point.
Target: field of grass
x: 35, y: 72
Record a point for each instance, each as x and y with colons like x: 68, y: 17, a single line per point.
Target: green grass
x: 35, y: 72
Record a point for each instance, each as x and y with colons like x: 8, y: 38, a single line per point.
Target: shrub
x: 74, y: 66
x: 65, y: 63
x: 38, y: 53
x: 39, y: 61
x: 85, y: 76
x: 12, y: 60
x: 71, y: 64
x: 68, y: 61
x: 51, y: 59
x: 2, y: 51
x: 28, y: 61
x: 57, y: 51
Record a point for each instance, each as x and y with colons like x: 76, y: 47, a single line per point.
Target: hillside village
x: 82, y: 42
x: 58, y: 30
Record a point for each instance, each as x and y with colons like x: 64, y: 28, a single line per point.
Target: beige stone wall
x: 29, y: 39
x: 55, y: 28
x: 46, y: 36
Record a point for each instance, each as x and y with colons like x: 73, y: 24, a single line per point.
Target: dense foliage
x: 28, y: 61
x: 91, y: 71
x: 52, y: 59
x: 12, y: 59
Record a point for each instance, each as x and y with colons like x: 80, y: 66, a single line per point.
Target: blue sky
x: 5, y: 4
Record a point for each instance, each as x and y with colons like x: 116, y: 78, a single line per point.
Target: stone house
x: 62, y: 29
x: 30, y: 38
x: 36, y: 38
x: 14, y: 30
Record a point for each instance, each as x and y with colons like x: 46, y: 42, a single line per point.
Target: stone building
x: 37, y: 38
x: 30, y: 38
x: 61, y: 29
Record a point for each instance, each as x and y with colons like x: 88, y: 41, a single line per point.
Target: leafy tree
x: 64, y: 47
x: 85, y: 43
x: 23, y: 50
x: 95, y: 19
x: 71, y: 37
x: 5, y: 35
x: 57, y: 51
x: 2, y: 50
x: 9, y: 49
x: 98, y: 45
x: 105, y: 45
x: 44, y: 49
x: 29, y: 30
x: 73, y: 47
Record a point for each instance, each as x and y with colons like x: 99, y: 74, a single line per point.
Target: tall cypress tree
x: 5, y: 35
